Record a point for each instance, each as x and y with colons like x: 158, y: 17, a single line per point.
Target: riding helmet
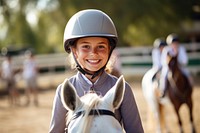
x: 172, y: 38
x: 89, y: 23
x: 159, y: 42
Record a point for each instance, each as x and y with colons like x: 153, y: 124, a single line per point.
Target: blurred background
x: 38, y: 26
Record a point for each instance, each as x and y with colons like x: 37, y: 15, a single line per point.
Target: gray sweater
x: 127, y: 114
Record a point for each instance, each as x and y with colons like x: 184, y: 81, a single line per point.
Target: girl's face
x: 175, y: 46
x: 92, y: 52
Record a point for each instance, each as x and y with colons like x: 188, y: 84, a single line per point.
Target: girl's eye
x: 86, y: 46
x: 101, y: 46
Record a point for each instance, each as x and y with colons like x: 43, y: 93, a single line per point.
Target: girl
x: 30, y: 77
x: 90, y: 36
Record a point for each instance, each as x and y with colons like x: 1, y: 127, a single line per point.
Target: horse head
x: 172, y: 62
x: 91, y: 112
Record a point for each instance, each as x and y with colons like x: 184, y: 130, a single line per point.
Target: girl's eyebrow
x: 102, y: 42
x: 84, y: 42
x: 97, y: 43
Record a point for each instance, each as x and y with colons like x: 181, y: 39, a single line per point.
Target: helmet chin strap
x: 83, y: 71
x: 79, y: 68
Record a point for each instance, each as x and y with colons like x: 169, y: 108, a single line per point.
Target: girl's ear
x: 69, y: 97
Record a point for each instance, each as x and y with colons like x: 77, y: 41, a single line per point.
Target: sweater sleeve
x: 58, y: 119
x: 156, y: 58
x: 130, y: 114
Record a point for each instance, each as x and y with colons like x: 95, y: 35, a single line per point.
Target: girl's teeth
x: 93, y: 61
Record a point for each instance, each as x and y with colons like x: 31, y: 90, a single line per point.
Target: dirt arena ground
x: 33, y: 119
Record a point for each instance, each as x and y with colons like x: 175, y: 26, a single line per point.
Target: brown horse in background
x: 179, y: 90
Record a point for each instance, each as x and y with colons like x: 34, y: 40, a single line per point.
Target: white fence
x: 134, y: 60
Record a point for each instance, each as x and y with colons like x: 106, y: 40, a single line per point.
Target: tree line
x: 40, y: 24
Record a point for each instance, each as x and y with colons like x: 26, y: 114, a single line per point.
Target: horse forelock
x: 91, y: 101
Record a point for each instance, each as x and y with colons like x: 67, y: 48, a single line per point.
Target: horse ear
x: 69, y: 97
x: 116, y: 94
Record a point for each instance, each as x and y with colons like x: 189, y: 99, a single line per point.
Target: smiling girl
x: 90, y: 37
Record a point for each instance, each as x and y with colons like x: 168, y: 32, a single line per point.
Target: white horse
x: 92, y: 113
x: 151, y: 94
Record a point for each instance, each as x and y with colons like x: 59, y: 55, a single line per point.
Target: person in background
x: 30, y: 77
x: 159, y: 44
x: 8, y: 75
x: 90, y: 37
x: 175, y: 49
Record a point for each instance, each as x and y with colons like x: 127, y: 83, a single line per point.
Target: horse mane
x: 91, y: 100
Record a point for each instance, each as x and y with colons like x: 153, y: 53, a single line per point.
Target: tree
x: 138, y: 22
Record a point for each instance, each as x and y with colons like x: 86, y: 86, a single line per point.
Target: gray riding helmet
x: 159, y: 42
x: 89, y: 23
x: 172, y: 38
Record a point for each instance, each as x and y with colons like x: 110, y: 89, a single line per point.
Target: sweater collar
x: 85, y: 81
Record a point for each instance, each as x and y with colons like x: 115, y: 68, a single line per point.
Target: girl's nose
x: 94, y: 50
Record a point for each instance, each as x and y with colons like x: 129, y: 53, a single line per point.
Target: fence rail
x: 135, y: 60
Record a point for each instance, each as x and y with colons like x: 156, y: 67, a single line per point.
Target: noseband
x: 94, y: 112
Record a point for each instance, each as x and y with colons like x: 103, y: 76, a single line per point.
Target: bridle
x: 95, y: 112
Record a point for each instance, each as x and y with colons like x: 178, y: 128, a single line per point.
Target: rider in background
x: 90, y: 37
x: 159, y: 44
x: 30, y: 77
x: 8, y: 75
x: 175, y: 49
